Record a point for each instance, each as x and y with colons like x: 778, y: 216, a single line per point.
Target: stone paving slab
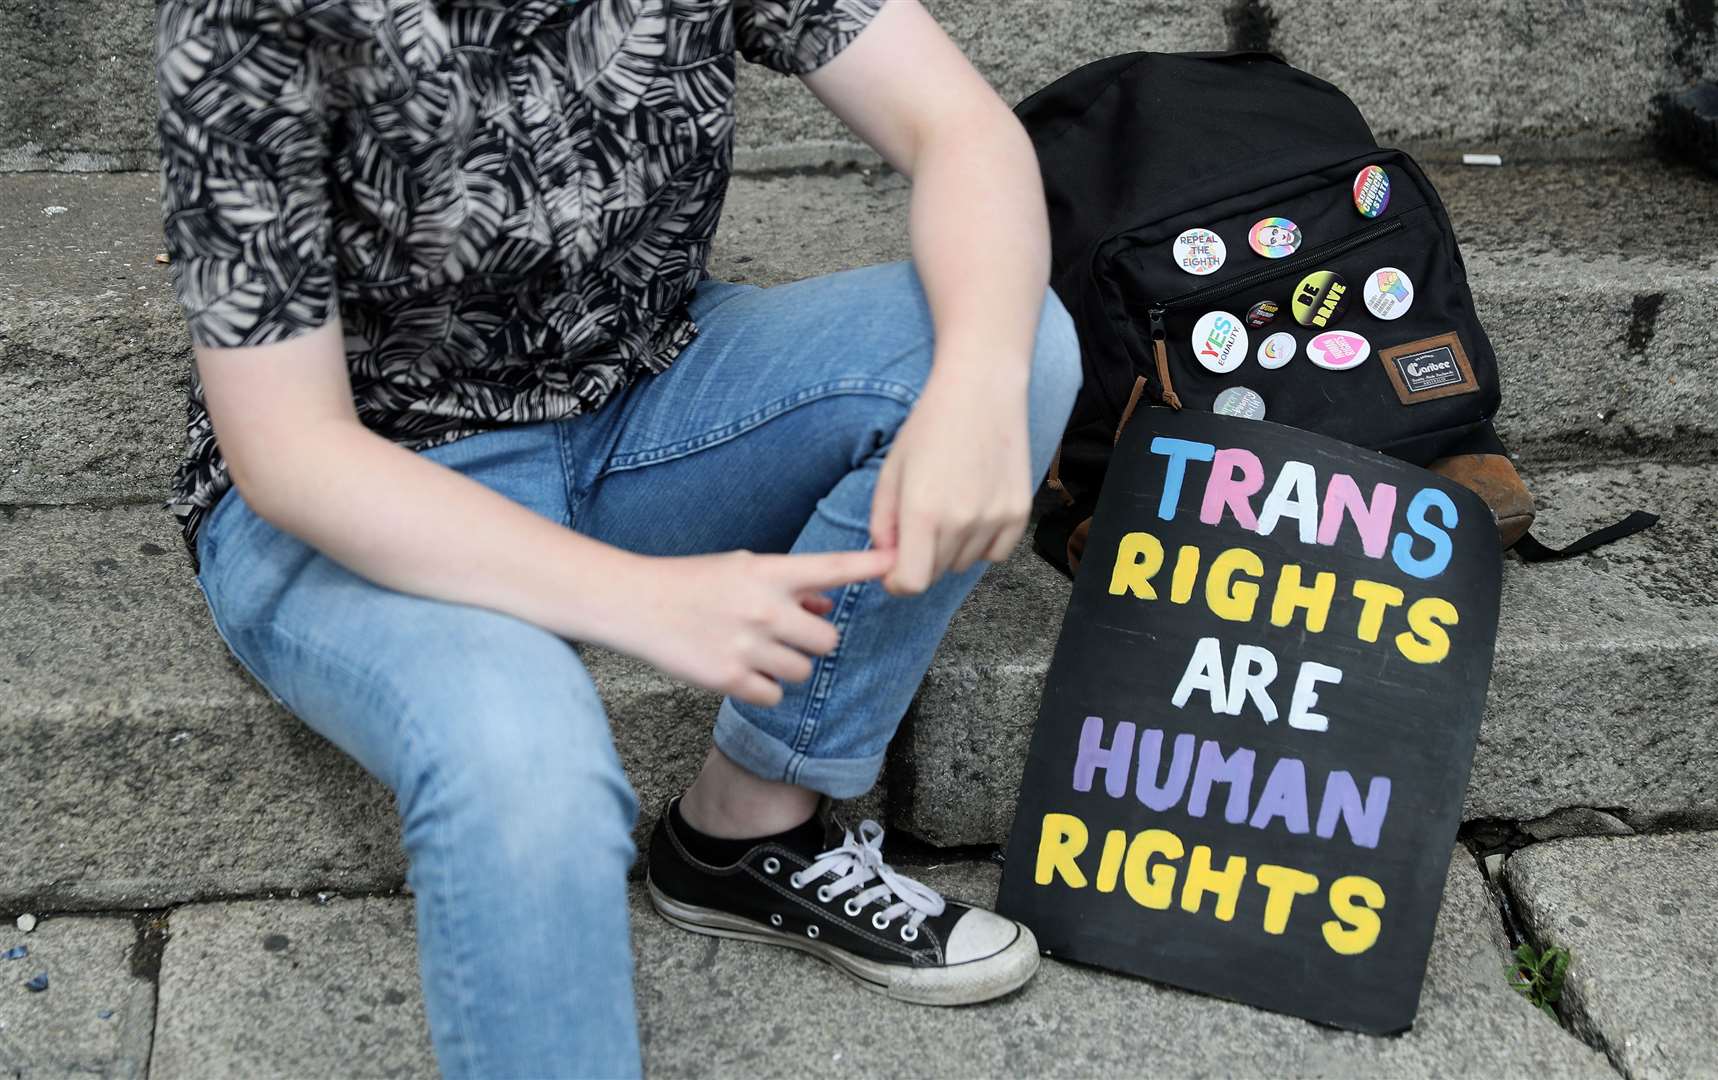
x: 1638, y: 915
x: 83, y: 94
x: 1602, y: 693
x: 1605, y: 352
x: 155, y: 771
x: 95, y: 1017
x: 232, y: 1005
x: 292, y: 989
x: 696, y: 1004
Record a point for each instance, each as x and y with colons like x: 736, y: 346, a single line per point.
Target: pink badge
x: 1338, y: 350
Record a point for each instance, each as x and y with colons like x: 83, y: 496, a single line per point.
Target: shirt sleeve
x: 244, y: 195
x: 796, y: 37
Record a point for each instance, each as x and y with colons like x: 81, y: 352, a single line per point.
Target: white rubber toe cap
x: 979, y: 934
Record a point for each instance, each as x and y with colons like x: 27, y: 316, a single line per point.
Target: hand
x: 956, y: 485
x: 740, y: 623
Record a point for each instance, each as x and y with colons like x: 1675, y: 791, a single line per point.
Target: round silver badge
x: 1239, y: 401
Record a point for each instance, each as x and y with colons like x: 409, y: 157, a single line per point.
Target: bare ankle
x: 727, y: 801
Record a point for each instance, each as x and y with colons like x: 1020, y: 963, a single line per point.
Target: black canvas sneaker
x: 839, y: 901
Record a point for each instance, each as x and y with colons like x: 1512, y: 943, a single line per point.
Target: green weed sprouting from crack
x: 1538, y: 976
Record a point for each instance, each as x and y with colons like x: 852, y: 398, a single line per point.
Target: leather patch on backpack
x: 1429, y: 369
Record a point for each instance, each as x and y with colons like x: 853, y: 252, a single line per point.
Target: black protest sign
x: 1249, y: 764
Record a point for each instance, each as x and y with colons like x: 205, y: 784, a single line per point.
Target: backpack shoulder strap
x: 1531, y: 550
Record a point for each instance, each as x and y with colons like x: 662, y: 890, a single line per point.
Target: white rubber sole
x: 958, y: 984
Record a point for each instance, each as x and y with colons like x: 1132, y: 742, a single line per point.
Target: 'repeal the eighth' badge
x: 1200, y: 252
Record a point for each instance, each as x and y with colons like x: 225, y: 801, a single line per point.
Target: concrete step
x: 146, y: 768
x: 292, y: 988
x: 1602, y: 693
x: 82, y: 94
x: 1606, y: 347
x: 1637, y: 916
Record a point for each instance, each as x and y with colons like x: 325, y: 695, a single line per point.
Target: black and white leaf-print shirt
x: 508, y: 202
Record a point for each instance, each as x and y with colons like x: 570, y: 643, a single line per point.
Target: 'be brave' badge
x: 1320, y: 299
x: 1338, y: 350
x: 1200, y: 252
x: 1219, y: 342
x: 1388, y: 293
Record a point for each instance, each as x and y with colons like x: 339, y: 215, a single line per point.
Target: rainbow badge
x: 1275, y: 237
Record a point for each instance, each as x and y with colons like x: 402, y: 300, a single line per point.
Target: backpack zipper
x: 1160, y: 336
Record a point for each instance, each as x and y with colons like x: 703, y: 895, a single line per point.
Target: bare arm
x: 284, y: 419
x: 980, y: 233
x: 956, y: 486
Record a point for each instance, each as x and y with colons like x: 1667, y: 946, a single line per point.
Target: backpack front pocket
x: 1323, y: 337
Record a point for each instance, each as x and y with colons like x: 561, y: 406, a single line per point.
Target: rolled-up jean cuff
x: 762, y: 754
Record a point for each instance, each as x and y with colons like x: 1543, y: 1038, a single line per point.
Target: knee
x: 1056, y: 377
x: 535, y: 803
x: 515, y: 766
x: 1056, y: 373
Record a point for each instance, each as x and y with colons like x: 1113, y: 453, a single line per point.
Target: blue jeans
x: 766, y: 434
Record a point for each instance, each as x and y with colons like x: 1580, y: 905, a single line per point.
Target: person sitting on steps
x: 465, y: 394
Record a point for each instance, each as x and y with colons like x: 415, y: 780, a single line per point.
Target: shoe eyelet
x: 772, y: 865
x: 775, y: 920
x: 795, y: 880
x: 909, y: 933
x: 811, y: 931
x: 852, y: 908
x: 879, y: 922
x: 823, y: 894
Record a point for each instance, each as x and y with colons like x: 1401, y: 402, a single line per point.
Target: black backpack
x: 1139, y: 149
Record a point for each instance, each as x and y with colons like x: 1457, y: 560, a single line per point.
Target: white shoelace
x: 857, y: 862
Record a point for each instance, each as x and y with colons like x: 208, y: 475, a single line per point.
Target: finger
x: 915, y: 558
x: 782, y: 663
x: 816, y: 603
x: 1006, y: 541
x: 977, y: 542
x: 886, y: 504
x: 807, y: 633
x: 757, y: 689
x: 953, y: 541
x: 831, y: 569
